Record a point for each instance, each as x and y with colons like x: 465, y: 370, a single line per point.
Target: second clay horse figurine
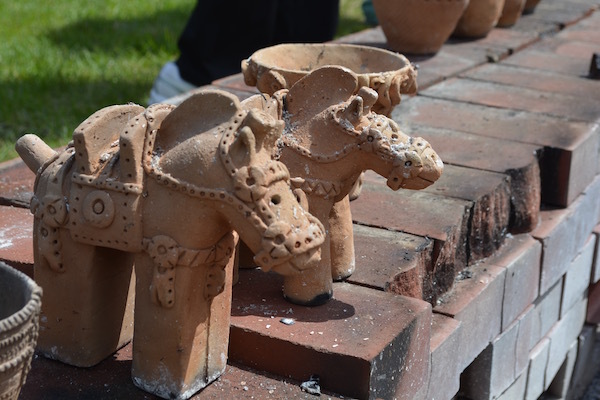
x: 163, y: 189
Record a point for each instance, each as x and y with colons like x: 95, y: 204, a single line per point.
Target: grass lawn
x: 62, y: 60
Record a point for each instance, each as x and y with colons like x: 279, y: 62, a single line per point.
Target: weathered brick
x: 527, y: 325
x: 440, y: 218
x: 490, y: 194
x: 545, y: 61
x: 475, y: 302
x: 562, y: 335
x: 587, y: 363
x: 547, y: 312
x: 582, y: 51
x: 577, y: 277
x: 16, y: 238
x: 237, y: 84
x: 562, y: 381
x: 380, y: 339
x: 596, y: 267
x: 520, y: 255
x: 16, y: 183
x: 536, y: 373
x: 444, y: 380
x: 493, y: 371
x: 593, y: 312
x: 391, y: 261
x: 516, y: 389
x: 515, y: 160
x: 570, y: 147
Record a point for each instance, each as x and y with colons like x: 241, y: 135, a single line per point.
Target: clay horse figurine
x: 331, y: 136
x: 163, y: 189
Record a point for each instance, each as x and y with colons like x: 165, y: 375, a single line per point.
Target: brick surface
x: 16, y: 238
x: 562, y: 335
x: 536, y: 374
x: 514, y: 98
x: 562, y: 381
x: 517, y: 161
x: 587, y: 363
x: 596, y: 267
x: 527, y: 326
x: 520, y: 256
x: 474, y: 302
x: 577, y: 278
x: 444, y: 380
x: 391, y: 261
x: 546, y: 313
x: 16, y: 183
x: 490, y: 194
x: 546, y: 61
x: 516, y: 389
x: 570, y: 147
x: 363, y: 343
x: 440, y: 218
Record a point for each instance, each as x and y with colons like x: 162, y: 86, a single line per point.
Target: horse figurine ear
x: 201, y: 112
x: 319, y: 90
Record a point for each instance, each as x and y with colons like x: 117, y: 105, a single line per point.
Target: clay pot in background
x: 480, y: 17
x: 511, y: 12
x: 530, y: 6
x: 418, y: 26
x: 20, y: 303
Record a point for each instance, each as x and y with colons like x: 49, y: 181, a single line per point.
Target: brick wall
x: 486, y: 285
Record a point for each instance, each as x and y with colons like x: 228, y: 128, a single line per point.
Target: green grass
x: 61, y: 60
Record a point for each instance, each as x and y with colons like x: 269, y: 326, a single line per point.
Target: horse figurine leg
x: 341, y: 236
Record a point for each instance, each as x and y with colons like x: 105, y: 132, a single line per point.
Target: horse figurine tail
x: 34, y: 151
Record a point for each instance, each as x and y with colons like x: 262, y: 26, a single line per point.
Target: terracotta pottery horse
x: 163, y: 189
x: 331, y: 136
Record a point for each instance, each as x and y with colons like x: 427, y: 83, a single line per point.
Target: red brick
x: 475, y: 302
x: 520, y: 256
x: 516, y: 390
x: 581, y: 51
x: 235, y: 83
x: 577, y: 277
x: 537, y: 80
x: 392, y: 261
x: 562, y: 12
x: 444, y: 380
x: 515, y: 98
x: 569, y: 147
x: 546, y: 313
x: 536, y: 374
x: 16, y: 183
x: 546, y: 61
x: 363, y: 343
x: 527, y: 325
x: 424, y: 214
x: 16, y: 238
x: 515, y: 160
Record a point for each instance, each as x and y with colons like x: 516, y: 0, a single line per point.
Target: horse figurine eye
x: 407, y: 163
x: 276, y: 199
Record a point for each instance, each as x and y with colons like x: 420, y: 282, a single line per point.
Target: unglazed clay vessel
x: 511, y: 12
x: 331, y: 136
x: 479, y: 18
x: 279, y: 67
x: 418, y: 26
x: 160, y: 188
x: 20, y: 303
x: 530, y: 6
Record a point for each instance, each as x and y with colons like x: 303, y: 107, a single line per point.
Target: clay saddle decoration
x: 162, y: 188
x: 331, y: 136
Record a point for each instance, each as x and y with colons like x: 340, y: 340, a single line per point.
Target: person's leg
x: 306, y: 21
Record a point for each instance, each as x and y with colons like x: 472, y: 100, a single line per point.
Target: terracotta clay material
x: 160, y: 188
x: 279, y: 67
x: 418, y: 26
x: 511, y: 12
x: 331, y: 136
x: 479, y: 18
x: 20, y: 303
x: 530, y: 6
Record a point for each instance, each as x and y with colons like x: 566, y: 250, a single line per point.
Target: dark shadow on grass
x: 122, y: 35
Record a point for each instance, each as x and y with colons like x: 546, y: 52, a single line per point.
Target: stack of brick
x: 486, y: 285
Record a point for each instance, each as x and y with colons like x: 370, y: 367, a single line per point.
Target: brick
x: 562, y: 381
x: 16, y: 184
x: 587, y: 363
x: 538, y: 80
x: 570, y: 147
x: 582, y: 51
x: 475, y: 302
x: 547, y: 312
x: 536, y: 373
x: 520, y: 256
x: 562, y: 335
x: 391, y: 261
x: 593, y: 312
x: 577, y: 278
x: 489, y: 193
x: 424, y: 214
x: 527, y: 326
x: 545, y: 61
x: 516, y: 390
x: 514, y: 98
x: 562, y: 13
x: 493, y: 371
x: 596, y: 267
x: 517, y: 161
x: 236, y: 83
x: 16, y: 238
x: 445, y: 372
x: 380, y: 339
